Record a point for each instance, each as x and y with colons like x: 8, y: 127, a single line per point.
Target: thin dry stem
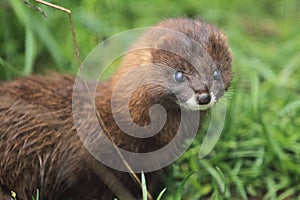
x: 54, y: 6
x: 38, y: 9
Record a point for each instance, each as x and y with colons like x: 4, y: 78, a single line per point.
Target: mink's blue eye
x: 216, y: 75
x: 179, y: 77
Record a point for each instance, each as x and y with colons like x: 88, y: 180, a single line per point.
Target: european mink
x: 39, y: 145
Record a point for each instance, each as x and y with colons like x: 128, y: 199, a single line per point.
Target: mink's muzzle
x: 203, y: 98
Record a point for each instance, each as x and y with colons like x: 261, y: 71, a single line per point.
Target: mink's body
x: 39, y: 145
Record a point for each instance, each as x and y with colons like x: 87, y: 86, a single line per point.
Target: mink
x: 40, y: 147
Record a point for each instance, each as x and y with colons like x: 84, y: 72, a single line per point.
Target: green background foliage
x: 258, y: 154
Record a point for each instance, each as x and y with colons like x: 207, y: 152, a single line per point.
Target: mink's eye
x: 179, y: 76
x: 216, y: 75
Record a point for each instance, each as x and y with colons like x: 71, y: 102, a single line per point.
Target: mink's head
x: 191, y: 62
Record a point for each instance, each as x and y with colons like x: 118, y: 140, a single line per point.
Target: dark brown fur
x: 39, y: 147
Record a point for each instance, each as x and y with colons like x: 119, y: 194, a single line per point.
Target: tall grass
x: 258, y: 154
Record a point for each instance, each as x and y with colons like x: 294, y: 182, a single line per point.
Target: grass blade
x: 217, y: 175
x: 288, y: 108
x: 161, y: 194
x: 30, y: 51
x: 179, y: 192
x: 144, y: 187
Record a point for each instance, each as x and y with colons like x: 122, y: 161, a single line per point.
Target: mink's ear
x: 162, y: 43
x: 170, y: 41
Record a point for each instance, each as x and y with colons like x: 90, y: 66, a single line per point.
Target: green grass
x: 144, y: 189
x: 14, y: 195
x: 258, y: 154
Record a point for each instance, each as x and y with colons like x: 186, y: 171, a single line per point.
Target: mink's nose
x: 203, y: 98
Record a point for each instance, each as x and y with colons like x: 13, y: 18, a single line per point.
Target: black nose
x: 203, y: 98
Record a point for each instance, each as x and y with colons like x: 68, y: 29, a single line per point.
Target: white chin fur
x: 191, y: 103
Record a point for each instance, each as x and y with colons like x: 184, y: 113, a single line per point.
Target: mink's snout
x: 203, y: 98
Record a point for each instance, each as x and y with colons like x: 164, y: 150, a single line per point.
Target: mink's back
x: 39, y: 147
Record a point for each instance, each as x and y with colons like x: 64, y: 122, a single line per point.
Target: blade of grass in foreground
x: 161, y: 194
x: 144, y: 187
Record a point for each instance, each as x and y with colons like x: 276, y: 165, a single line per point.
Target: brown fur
x: 39, y: 147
